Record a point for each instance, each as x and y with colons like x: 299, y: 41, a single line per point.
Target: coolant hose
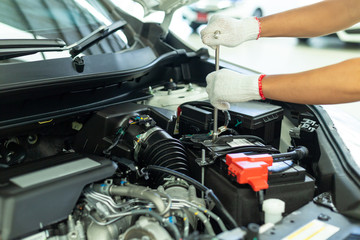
x: 204, y: 220
x: 134, y: 191
x: 141, y: 193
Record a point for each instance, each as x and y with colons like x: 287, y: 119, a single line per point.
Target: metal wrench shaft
x: 217, y: 56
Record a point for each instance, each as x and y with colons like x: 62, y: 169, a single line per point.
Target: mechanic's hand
x: 226, y: 86
x: 232, y: 32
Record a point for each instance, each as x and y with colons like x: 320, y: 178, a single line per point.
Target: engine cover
x: 40, y: 193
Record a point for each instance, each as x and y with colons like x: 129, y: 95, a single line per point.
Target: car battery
x: 285, y: 180
x: 293, y: 186
x: 247, y: 118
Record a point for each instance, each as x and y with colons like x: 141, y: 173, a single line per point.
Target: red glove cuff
x: 260, y: 86
x: 258, y: 36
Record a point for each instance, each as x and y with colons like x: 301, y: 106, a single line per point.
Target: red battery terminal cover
x: 250, y: 169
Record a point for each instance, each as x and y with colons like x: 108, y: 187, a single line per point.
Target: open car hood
x: 166, y: 6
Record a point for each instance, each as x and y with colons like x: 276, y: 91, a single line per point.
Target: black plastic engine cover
x: 40, y: 193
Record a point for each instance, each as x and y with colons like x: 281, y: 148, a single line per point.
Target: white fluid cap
x: 273, y: 208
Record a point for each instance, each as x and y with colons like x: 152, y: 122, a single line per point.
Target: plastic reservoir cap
x: 273, y: 208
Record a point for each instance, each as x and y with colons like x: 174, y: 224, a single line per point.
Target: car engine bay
x: 135, y: 171
x: 119, y: 145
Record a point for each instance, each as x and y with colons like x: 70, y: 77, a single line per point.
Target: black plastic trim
x: 59, y: 72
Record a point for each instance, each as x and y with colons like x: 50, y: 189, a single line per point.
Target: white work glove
x: 226, y: 86
x: 232, y: 32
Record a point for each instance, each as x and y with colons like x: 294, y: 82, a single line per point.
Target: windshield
x: 69, y: 20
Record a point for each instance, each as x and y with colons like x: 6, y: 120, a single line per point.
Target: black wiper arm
x: 95, y: 37
x: 10, y: 48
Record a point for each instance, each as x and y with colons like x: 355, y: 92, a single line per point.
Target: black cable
x: 114, y: 143
x: 283, y: 167
x: 222, y: 210
x: 257, y: 149
x: 232, y: 131
x: 124, y: 124
x: 226, y: 138
x: 227, y: 117
x: 297, y: 154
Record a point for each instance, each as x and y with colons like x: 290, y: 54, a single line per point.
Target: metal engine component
x: 178, y: 189
x: 146, y: 229
x: 75, y: 231
x: 134, y: 191
x: 180, y: 192
x: 171, y: 98
x: 108, y: 232
x: 162, y: 213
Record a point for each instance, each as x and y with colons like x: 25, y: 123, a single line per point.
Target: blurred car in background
x: 200, y: 12
x: 351, y: 34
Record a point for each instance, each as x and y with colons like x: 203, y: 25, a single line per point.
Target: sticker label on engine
x: 314, y: 230
x: 55, y: 172
x: 38, y: 236
x: 240, y: 142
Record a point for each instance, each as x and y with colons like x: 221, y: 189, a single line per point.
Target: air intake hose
x: 154, y: 146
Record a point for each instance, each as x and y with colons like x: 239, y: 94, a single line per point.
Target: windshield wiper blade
x: 10, y: 48
x: 28, y: 43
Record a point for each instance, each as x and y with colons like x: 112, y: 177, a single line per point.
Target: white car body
x: 352, y: 34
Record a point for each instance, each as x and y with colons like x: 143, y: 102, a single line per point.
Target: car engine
x: 134, y: 171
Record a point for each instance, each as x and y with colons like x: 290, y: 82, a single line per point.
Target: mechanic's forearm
x: 338, y: 83
x: 318, y: 19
